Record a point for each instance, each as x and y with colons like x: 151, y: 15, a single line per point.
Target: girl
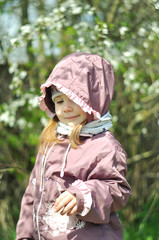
x: 78, y: 181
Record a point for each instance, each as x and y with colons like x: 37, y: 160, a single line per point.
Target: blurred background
x: 34, y: 36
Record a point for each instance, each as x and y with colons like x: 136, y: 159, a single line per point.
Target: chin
x: 72, y: 124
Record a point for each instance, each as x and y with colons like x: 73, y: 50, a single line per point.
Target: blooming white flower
x: 4, y: 117
x: 154, y: 88
x: 115, y: 118
x: 105, y: 31
x: 77, y: 10
x: 144, y: 130
x: 155, y: 27
x: 13, y: 41
x: 156, y: 5
x: 146, y: 45
x: 142, y: 32
x: 62, y: 9
x: 123, y: 30
x: 33, y: 101
x: 13, y: 68
x: 127, y: 4
x: 26, y: 29
x: 136, y: 86
x: 21, y: 123
x: 23, y: 74
x: 44, y: 121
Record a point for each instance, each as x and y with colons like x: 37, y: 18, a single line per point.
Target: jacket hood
x: 87, y: 79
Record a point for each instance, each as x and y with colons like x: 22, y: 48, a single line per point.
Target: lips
x: 71, y: 117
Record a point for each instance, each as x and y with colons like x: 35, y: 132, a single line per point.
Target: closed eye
x: 59, y: 101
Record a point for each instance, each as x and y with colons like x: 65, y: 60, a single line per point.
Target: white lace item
x: 60, y: 224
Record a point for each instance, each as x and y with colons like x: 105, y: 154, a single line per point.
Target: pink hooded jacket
x: 95, y: 172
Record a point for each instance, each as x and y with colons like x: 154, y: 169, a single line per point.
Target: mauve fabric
x: 100, y: 162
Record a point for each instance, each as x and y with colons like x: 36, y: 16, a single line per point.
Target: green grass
x: 8, y: 234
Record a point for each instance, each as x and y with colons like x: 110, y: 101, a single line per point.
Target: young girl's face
x: 68, y: 112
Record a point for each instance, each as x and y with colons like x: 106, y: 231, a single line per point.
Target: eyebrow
x: 58, y: 97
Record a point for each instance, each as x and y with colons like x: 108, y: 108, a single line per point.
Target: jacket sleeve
x: 109, y: 188
x: 24, y: 227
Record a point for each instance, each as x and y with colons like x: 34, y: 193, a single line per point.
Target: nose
x: 68, y: 108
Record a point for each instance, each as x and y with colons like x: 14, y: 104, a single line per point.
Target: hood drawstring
x: 64, y: 161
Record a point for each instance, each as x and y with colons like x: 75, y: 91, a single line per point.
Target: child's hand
x: 68, y: 202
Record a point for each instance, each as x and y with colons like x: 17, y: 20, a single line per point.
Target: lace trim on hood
x: 70, y: 95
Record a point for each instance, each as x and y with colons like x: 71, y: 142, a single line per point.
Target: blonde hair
x: 48, y: 135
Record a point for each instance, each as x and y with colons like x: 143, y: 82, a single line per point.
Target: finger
x: 73, y: 211
x: 62, y: 204
x: 60, y: 198
x: 63, y: 201
x: 69, y: 207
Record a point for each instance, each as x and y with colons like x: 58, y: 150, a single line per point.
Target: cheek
x: 82, y: 113
x: 57, y: 111
x: 84, y: 116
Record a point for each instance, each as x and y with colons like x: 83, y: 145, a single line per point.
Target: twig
x: 149, y: 212
x: 139, y: 157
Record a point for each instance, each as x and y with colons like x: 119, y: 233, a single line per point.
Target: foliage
x: 124, y: 32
